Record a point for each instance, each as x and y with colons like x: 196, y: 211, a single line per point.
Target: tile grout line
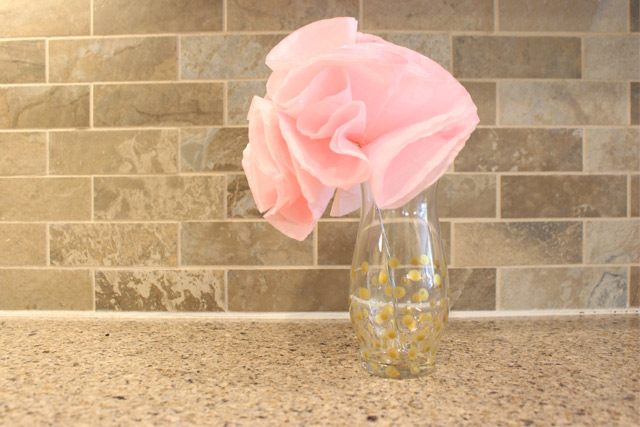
x: 496, y: 16
x: 91, y: 17
x: 224, y: 16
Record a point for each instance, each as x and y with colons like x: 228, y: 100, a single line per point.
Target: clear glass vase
x: 399, y: 293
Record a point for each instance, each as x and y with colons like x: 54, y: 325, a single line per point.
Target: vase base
x: 398, y: 372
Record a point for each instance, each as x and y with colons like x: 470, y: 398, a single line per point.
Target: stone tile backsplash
x: 122, y: 126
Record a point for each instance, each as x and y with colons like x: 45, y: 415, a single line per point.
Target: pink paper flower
x: 343, y: 108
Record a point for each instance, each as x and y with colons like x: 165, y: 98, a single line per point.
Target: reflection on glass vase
x: 399, y: 292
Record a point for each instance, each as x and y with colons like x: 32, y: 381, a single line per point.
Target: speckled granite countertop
x: 515, y: 371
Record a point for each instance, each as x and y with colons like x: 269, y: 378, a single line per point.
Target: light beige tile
x: 467, y: 196
x: 22, y: 61
x: 113, y: 244
x: 563, y: 288
x: 434, y: 46
x: 212, y: 149
x: 159, y: 104
x: 476, y: 287
x: 22, y: 153
x: 288, y: 290
x: 612, y: 242
x: 44, y: 107
x: 612, y: 150
x: 517, y: 243
x: 483, y: 95
x: 612, y: 57
x: 241, y: 243
x: 634, y: 287
x: 160, y: 290
x: 336, y: 242
x: 563, y: 196
x: 158, y: 198
x: 567, y: 103
x: 23, y: 244
x: 113, y: 59
x: 156, y: 16
x: 45, y: 199
x: 44, y: 18
x: 239, y: 96
x: 240, y: 203
x: 46, y: 289
x: 113, y: 152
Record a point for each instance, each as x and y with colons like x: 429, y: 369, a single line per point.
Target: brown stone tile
x: 517, y: 243
x: 159, y: 104
x: 158, y: 198
x: 46, y: 289
x: 336, y: 242
x: 634, y: 15
x: 484, y: 96
x: 22, y: 61
x: 476, y: 286
x: 563, y: 15
x: 635, y: 103
x: 23, y: 244
x: 113, y: 152
x: 113, y: 59
x: 44, y: 107
x: 156, y: 16
x: 288, y: 290
x: 561, y: 288
x: 22, y: 153
x: 113, y: 244
x: 634, y: 287
x: 45, y: 199
x: 278, y: 15
x: 521, y: 150
x: 563, y: 196
x: 467, y: 196
x: 428, y: 15
x: 239, y: 96
x: 612, y: 242
x: 565, y: 103
x: 434, y: 46
x: 212, y: 149
x: 612, y: 150
x: 241, y: 243
x: 160, y: 290
x: 226, y: 56
x: 240, y: 203
x: 44, y: 18
x: 612, y: 57
x: 516, y: 57
x: 635, y: 195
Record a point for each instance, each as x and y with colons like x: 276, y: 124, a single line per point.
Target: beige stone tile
x: 156, y: 16
x: 22, y: 153
x: 113, y: 152
x: 46, y: 289
x: 635, y: 103
x: 558, y: 288
x: 563, y: 15
x: 113, y: 244
x: 336, y: 242
x: 45, y: 199
x: 467, y: 196
x: 23, y: 244
x: 241, y: 243
x: 428, y: 15
x: 434, y: 46
x: 635, y: 195
x: 160, y: 290
x: 113, y: 59
x: 239, y: 96
x: 634, y: 287
x: 278, y: 15
x: 288, y: 290
x: 445, y: 234
x: 483, y: 95
x: 612, y: 57
x: 158, y: 198
x: 44, y: 18
x: 212, y: 149
x: 612, y: 242
x: 476, y: 286
x: 517, y: 243
x: 158, y: 104
x: 226, y: 56
x: 516, y: 57
x: 565, y: 103
x: 240, y: 203
x: 22, y: 61
x: 612, y: 150
x: 44, y: 107
x: 521, y: 150
x: 563, y: 196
